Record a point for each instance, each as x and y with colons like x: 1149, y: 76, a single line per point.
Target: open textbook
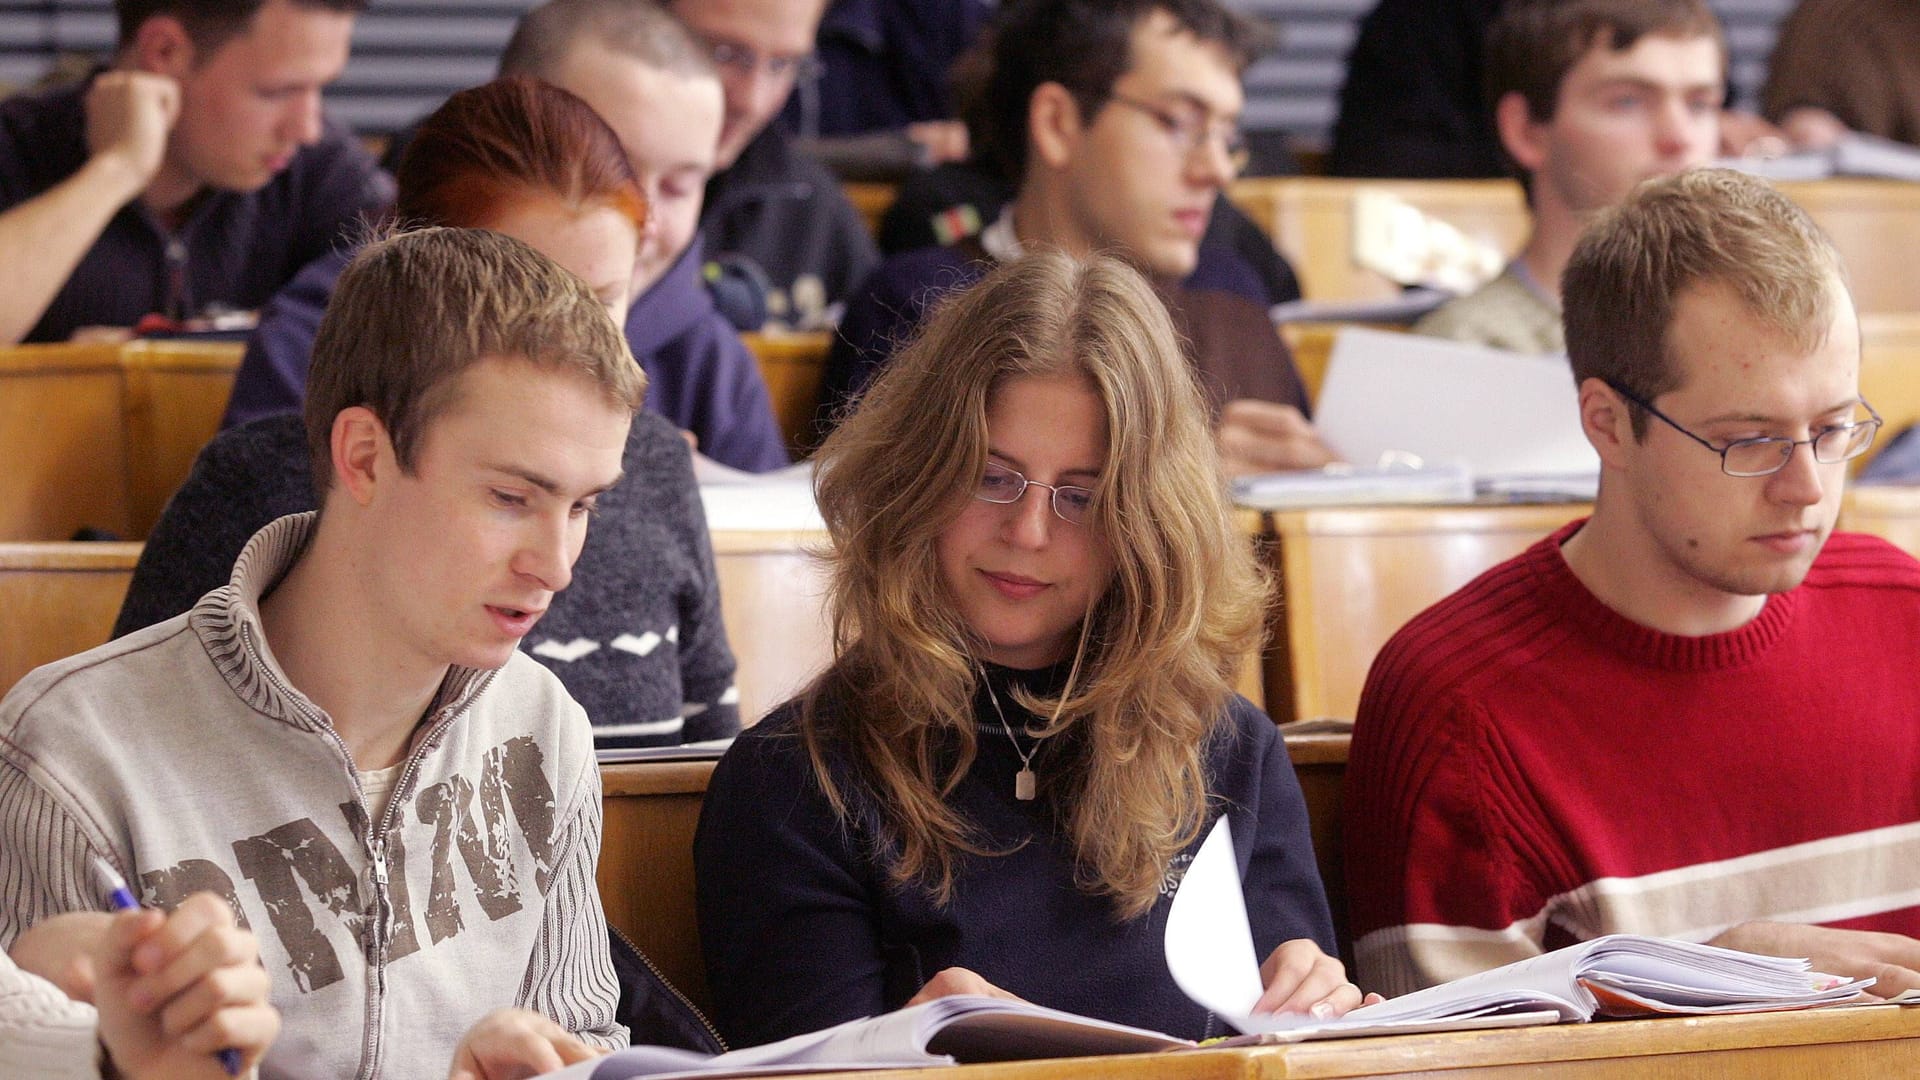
x: 1210, y: 953
x: 1211, y: 956
x: 962, y: 1029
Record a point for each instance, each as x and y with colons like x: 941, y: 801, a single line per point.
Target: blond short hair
x: 1672, y: 234
x: 415, y: 310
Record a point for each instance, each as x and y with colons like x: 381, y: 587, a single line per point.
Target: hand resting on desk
x: 1893, y: 959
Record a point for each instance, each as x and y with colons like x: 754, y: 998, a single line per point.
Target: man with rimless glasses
x: 1692, y: 714
x: 1120, y: 121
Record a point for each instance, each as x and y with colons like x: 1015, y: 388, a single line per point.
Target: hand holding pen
x: 180, y: 993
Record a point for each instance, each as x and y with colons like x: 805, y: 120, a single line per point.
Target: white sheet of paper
x: 1496, y: 412
x: 1209, y: 943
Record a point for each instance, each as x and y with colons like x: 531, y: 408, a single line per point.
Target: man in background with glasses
x: 1121, y: 121
x: 769, y: 204
x: 1693, y: 713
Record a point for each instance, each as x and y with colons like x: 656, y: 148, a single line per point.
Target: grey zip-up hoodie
x: 181, y: 755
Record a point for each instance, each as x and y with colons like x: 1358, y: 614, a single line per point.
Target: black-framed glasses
x: 1192, y: 129
x: 746, y: 60
x: 1768, y: 454
x: 1004, y: 486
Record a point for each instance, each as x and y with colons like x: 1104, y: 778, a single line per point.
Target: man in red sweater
x: 1693, y: 713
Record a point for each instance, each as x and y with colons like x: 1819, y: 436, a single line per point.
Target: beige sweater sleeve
x: 44, y: 1035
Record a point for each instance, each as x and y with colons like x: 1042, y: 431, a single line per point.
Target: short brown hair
x: 1671, y: 234
x: 416, y: 309
x: 1534, y: 43
x: 211, y: 23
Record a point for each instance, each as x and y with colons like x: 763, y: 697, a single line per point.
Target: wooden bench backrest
x: 58, y: 599
x: 1874, y: 223
x: 62, y: 441
x: 1350, y: 578
x: 1890, y: 371
x: 99, y: 436
x: 1891, y: 513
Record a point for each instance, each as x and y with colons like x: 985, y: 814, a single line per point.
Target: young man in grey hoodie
x: 344, y: 741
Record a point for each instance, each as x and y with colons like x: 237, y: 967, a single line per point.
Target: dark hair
x: 1534, y: 43
x: 1085, y: 46
x: 415, y: 310
x: 210, y: 23
x: 1703, y: 226
x: 505, y: 140
x: 636, y: 28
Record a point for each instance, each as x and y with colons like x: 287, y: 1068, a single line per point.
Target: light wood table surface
x: 1879, y: 1043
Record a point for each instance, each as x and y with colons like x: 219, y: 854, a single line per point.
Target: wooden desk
x: 1849, y: 1044
x: 58, y: 599
x: 794, y: 366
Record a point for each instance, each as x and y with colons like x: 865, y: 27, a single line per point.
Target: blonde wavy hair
x: 1159, y: 648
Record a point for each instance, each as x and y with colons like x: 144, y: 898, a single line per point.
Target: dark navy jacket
x: 699, y: 375
x: 235, y: 249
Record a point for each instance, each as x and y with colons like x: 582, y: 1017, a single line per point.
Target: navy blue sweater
x: 802, y: 928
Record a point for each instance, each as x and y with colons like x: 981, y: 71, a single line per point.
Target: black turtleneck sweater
x: 802, y: 928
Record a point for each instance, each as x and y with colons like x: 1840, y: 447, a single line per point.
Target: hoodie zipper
x: 672, y: 989
x: 376, y: 846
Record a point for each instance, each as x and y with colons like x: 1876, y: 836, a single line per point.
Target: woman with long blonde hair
x: 1039, y: 603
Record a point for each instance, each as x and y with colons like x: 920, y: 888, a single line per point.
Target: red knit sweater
x: 1530, y: 768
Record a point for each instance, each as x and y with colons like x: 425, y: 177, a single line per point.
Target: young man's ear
x: 1523, y: 136
x: 162, y: 46
x: 1607, y: 420
x: 1054, y: 125
x: 361, y: 451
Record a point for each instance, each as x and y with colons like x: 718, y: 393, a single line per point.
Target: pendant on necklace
x: 1023, y: 785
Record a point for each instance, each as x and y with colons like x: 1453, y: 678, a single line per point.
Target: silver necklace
x: 1023, y: 781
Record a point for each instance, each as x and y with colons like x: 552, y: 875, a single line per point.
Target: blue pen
x: 122, y: 899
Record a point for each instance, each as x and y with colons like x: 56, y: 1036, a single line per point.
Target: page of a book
x: 1211, y: 956
x: 1349, y: 485
x: 707, y: 750
x: 962, y: 1028
x: 1497, y: 413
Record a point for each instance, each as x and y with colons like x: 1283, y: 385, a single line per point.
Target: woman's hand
x: 1301, y: 979
x: 958, y: 980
